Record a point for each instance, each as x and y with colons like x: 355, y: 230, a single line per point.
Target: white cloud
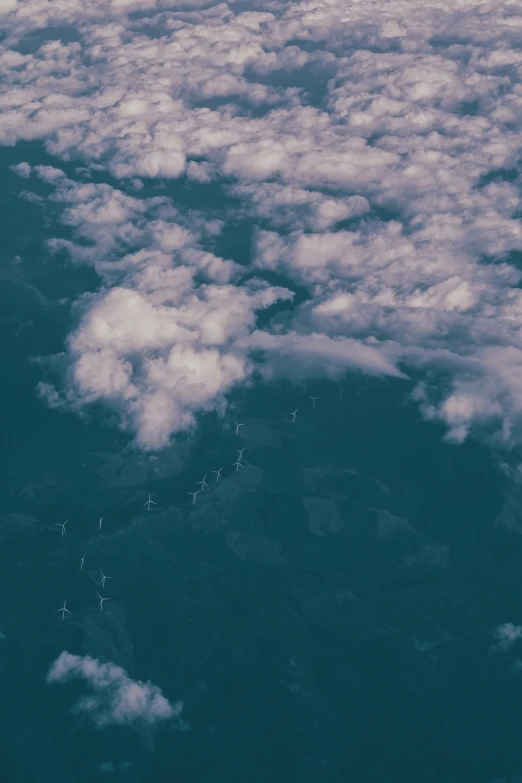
x: 114, y: 699
x: 7, y: 5
x: 285, y: 206
x: 357, y: 138
x: 305, y: 355
x: 22, y: 169
x: 162, y: 341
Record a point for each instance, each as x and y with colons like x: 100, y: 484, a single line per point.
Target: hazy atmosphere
x: 261, y: 319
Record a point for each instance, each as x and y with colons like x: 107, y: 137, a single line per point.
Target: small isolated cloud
x: 114, y: 699
x: 506, y: 636
x: 22, y: 169
x: 109, y: 767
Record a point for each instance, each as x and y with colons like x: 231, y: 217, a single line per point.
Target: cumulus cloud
x: 284, y: 206
x: 22, y: 169
x: 113, y: 699
x: 374, y: 148
x: 163, y: 340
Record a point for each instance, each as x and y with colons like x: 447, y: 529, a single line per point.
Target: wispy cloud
x: 113, y: 699
x: 506, y: 635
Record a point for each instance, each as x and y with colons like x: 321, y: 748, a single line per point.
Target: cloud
x: 284, y: 206
x: 307, y: 355
x: 506, y: 636
x: 374, y: 155
x: 114, y: 699
x: 162, y: 342
x: 160, y: 364
x: 7, y: 5
x: 22, y: 169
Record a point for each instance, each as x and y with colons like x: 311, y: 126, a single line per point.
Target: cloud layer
x: 373, y: 148
x: 114, y: 698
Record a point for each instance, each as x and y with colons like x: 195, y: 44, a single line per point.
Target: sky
x: 205, y: 200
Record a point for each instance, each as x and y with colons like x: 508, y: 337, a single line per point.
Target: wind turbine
x: 194, y: 496
x: 149, y: 503
x: 237, y: 465
x: 63, y: 610
x: 59, y: 524
x: 203, y: 483
x: 82, y: 561
x: 238, y: 426
x: 294, y: 415
x: 102, y: 583
x: 240, y: 452
x: 218, y: 474
x: 100, y: 605
x: 341, y: 392
x: 101, y: 520
x: 314, y: 400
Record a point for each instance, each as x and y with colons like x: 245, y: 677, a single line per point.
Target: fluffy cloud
x: 374, y: 147
x: 284, y: 206
x: 163, y: 340
x: 114, y: 698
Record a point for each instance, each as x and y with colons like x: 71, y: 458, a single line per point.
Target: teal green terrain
x: 324, y: 613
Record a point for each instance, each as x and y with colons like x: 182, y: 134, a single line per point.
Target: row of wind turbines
x: 149, y: 503
x: 104, y: 577
x: 237, y: 464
